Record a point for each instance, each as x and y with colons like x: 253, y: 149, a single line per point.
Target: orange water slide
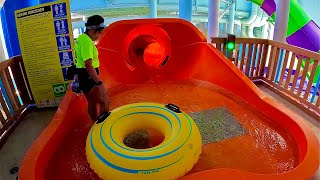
x: 169, y: 61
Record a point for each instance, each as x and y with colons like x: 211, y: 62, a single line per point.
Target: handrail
x: 15, y: 95
x: 259, y: 59
x: 288, y: 70
x: 240, y: 40
x: 303, y: 52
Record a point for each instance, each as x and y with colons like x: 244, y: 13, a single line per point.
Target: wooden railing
x: 15, y: 95
x: 289, y: 71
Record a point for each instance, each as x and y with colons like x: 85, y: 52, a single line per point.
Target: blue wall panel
x: 9, y: 25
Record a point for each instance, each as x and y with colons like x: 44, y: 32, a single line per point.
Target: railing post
x: 19, y: 80
x: 264, y: 59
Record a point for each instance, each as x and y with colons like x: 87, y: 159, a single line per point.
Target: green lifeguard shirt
x: 85, y: 49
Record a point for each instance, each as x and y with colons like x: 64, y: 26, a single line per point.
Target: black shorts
x: 86, y: 83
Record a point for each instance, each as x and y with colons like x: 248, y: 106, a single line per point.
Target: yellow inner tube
x: 110, y: 158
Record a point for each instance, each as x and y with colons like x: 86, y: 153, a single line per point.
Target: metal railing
x: 290, y: 71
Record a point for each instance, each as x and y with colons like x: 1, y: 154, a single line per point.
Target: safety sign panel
x: 46, y: 41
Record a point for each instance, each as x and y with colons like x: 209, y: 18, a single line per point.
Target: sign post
x: 46, y: 41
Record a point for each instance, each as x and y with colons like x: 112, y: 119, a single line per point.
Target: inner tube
x: 110, y: 158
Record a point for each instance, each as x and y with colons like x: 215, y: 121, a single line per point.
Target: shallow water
x: 264, y: 148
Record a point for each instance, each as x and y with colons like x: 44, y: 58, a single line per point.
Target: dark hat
x: 95, y: 22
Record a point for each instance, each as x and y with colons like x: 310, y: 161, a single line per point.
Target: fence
x: 15, y: 95
x: 290, y: 71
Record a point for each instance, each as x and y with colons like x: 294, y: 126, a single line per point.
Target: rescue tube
x: 110, y: 158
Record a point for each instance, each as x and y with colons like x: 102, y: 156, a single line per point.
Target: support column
x: 153, y: 8
x: 185, y: 9
x: 232, y: 12
x: 282, y: 16
x: 213, y: 18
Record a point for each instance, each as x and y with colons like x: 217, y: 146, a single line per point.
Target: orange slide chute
x: 169, y: 61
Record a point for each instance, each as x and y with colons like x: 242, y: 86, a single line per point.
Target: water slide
x: 302, y: 31
x: 169, y: 61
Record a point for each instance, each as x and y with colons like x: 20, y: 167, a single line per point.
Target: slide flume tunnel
x: 169, y: 61
x: 150, y: 49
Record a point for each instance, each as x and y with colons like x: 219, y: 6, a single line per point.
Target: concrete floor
x: 12, y: 153
x: 30, y: 128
